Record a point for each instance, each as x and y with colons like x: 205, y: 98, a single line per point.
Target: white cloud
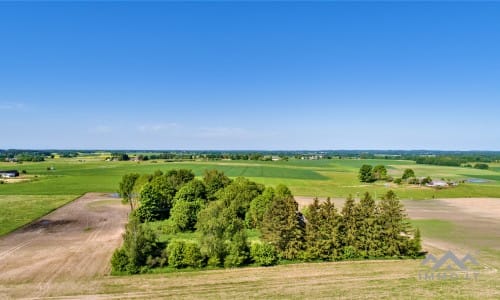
x: 11, y: 106
x: 101, y: 129
x: 224, y: 132
x: 160, y: 127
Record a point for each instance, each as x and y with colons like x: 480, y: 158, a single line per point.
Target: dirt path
x: 74, y: 242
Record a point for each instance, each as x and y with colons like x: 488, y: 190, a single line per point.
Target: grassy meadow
x: 56, y: 181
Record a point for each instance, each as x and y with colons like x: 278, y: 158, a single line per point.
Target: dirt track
x: 74, y: 242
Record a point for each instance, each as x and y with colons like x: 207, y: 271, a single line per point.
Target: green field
x: 18, y: 210
x: 335, y: 178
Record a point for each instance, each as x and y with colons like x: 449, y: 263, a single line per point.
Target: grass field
x: 323, y: 178
x: 18, y: 210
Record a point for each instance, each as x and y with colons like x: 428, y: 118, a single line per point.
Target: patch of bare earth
x: 72, y: 243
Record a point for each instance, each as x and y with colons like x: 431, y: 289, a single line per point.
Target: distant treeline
x: 21, y: 155
x: 433, y: 157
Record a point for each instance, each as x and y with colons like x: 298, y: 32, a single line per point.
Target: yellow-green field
x: 335, y: 178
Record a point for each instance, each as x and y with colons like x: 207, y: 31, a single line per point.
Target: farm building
x: 438, y: 183
x: 9, y: 173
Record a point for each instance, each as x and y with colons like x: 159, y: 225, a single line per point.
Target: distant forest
x: 432, y: 157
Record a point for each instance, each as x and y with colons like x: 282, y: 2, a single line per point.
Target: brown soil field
x: 74, y: 242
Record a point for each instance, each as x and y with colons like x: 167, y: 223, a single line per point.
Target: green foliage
x: 184, y: 215
x: 119, y: 260
x: 426, y: 180
x: 238, y: 251
x: 379, y: 172
x: 322, y: 231
x: 192, y: 191
x: 126, y: 187
x: 192, y: 255
x: 264, y: 254
x: 138, y: 244
x: 258, y: 207
x: 283, y: 225
x: 177, y: 178
x: 182, y: 254
x: 408, y: 173
x: 348, y: 224
x: 215, y: 228
x: 365, y: 174
x: 238, y: 195
x: 214, y: 181
x: 350, y: 252
x: 175, y: 252
x: 367, y: 228
x: 481, y: 166
x: 156, y: 199
x: 394, y: 226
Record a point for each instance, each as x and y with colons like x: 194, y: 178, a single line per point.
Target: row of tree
x: 368, y: 173
x: 222, y: 211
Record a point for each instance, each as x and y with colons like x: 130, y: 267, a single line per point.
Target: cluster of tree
x: 481, y: 166
x: 368, y: 173
x: 68, y: 154
x: 22, y: 156
x: 222, y: 210
x: 120, y: 156
x: 361, y: 230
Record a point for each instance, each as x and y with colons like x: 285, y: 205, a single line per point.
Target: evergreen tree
x: 322, y: 232
x: 394, y: 226
x: 283, y: 225
x: 368, y: 231
x: 348, y: 224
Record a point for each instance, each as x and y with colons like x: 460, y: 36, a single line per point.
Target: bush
x: 183, y: 254
x: 413, y: 180
x: 175, y: 251
x: 238, y: 251
x: 481, y: 166
x: 119, y: 260
x: 264, y: 254
x: 192, y: 255
x: 349, y: 252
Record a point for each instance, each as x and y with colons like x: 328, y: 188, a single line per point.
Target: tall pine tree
x: 283, y: 225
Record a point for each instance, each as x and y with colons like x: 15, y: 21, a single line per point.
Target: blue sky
x: 250, y: 75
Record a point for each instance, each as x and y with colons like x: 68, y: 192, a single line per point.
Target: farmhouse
x: 9, y: 174
x: 438, y: 183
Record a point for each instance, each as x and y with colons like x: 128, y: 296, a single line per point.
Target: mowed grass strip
x: 19, y: 210
x: 391, y: 279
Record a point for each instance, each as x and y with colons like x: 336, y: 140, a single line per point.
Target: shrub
x: 407, y: 174
x: 481, y: 166
x: 264, y: 254
x: 119, y: 260
x: 175, y: 251
x: 238, y: 253
x: 349, y: 252
x: 192, y: 255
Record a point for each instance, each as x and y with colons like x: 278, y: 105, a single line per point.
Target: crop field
x: 57, y: 181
